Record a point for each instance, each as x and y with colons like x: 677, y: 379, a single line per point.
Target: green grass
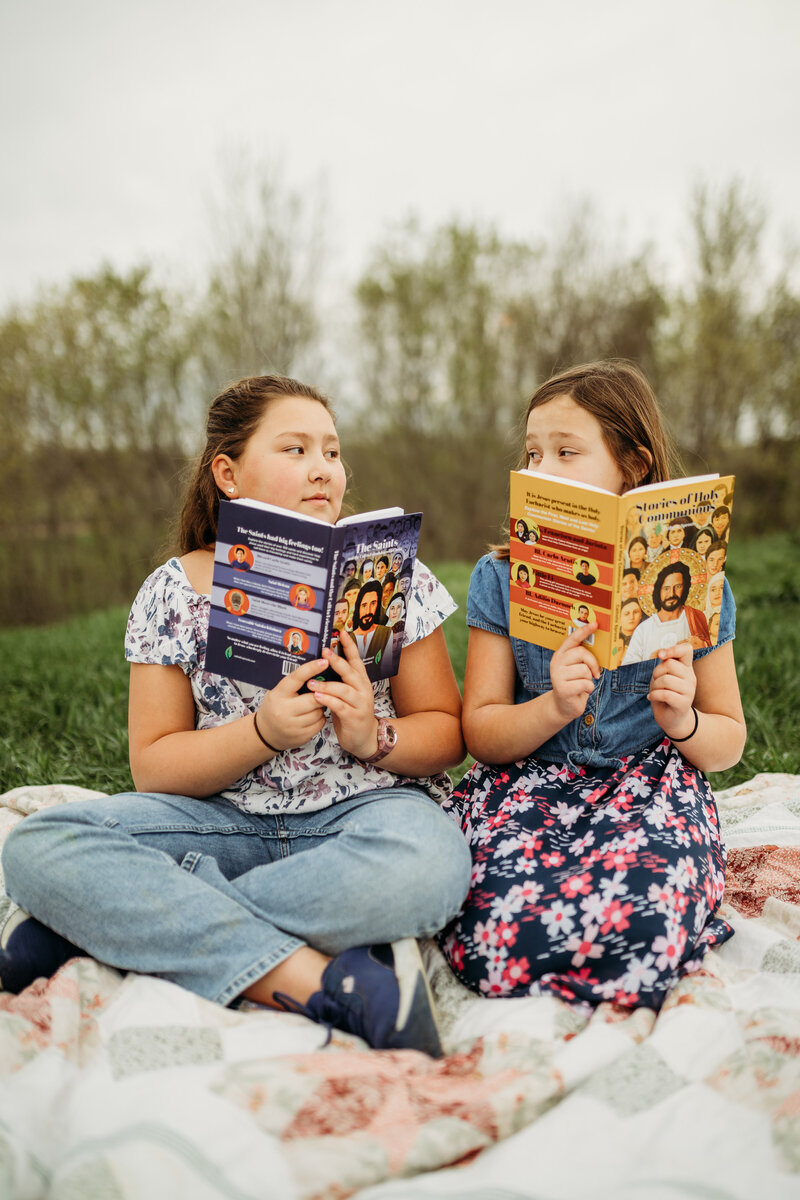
x: 63, y: 717
x: 765, y: 577
x: 64, y: 687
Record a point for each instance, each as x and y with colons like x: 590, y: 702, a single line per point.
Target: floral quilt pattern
x: 126, y: 1087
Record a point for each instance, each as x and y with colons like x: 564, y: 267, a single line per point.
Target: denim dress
x: 597, y: 860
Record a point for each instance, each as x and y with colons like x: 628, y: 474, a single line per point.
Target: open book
x: 647, y: 566
x: 284, y: 585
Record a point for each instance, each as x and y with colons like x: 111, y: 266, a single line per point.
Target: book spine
x: 334, y: 561
x: 619, y: 567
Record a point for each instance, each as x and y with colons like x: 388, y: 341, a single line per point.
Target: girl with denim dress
x: 597, y: 860
x: 286, y: 846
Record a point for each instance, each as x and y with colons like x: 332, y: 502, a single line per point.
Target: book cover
x: 647, y: 566
x: 285, y: 585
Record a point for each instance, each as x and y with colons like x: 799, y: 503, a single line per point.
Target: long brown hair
x: 619, y: 397
x: 232, y: 420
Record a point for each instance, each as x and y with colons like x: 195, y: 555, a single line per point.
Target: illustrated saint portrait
x: 585, y: 571
x: 295, y: 641
x: 236, y: 602
x: 673, y: 618
x: 302, y: 596
x: 580, y: 615
x: 240, y: 558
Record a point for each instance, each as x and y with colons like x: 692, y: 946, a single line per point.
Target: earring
x: 231, y: 491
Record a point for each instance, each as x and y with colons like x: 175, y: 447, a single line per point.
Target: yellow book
x: 647, y: 566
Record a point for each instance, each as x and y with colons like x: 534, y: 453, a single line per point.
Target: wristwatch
x: 387, y: 740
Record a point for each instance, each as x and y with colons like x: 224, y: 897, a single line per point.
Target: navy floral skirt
x: 589, y: 887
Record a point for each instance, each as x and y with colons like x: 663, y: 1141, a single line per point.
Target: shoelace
x: 294, y: 1006
x: 333, y: 1014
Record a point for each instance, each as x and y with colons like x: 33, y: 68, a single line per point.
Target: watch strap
x: 387, y: 740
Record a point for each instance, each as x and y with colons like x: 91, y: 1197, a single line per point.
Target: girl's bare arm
x: 428, y: 703
x: 168, y: 754
x: 495, y: 728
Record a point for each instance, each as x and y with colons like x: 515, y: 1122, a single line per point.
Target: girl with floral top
x: 598, y: 865
x: 286, y: 846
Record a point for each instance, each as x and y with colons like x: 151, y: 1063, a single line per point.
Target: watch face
x: 389, y: 736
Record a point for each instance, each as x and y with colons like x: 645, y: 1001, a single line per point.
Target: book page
x: 562, y: 546
x: 374, y: 514
x: 354, y: 518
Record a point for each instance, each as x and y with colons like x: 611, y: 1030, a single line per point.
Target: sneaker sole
x: 414, y: 988
x: 12, y: 922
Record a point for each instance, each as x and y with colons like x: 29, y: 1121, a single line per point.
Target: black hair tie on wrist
x: 269, y: 745
x: 689, y: 735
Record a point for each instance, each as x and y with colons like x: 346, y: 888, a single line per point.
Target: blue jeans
x: 211, y: 898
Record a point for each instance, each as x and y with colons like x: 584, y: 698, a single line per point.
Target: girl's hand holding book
x: 573, y: 670
x: 351, y: 702
x: 289, y: 717
x: 672, y: 689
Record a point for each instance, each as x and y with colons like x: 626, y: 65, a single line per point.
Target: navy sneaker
x: 29, y: 950
x: 379, y: 993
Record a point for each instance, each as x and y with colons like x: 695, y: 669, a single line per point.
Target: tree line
x: 105, y: 379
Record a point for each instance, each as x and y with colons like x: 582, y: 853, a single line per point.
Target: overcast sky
x: 114, y: 117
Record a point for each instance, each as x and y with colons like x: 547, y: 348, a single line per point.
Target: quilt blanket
x: 125, y: 1087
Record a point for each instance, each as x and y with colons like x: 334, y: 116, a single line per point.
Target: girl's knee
x: 21, y: 859
x: 420, y: 857
x: 33, y: 848
x: 26, y: 837
x: 437, y: 876
x: 455, y: 852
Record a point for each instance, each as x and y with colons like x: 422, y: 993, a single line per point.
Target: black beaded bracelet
x: 694, y: 731
x: 269, y: 745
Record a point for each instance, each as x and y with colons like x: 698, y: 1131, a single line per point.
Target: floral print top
x: 168, y: 625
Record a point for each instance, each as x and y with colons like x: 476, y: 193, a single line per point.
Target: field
x: 64, y: 687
